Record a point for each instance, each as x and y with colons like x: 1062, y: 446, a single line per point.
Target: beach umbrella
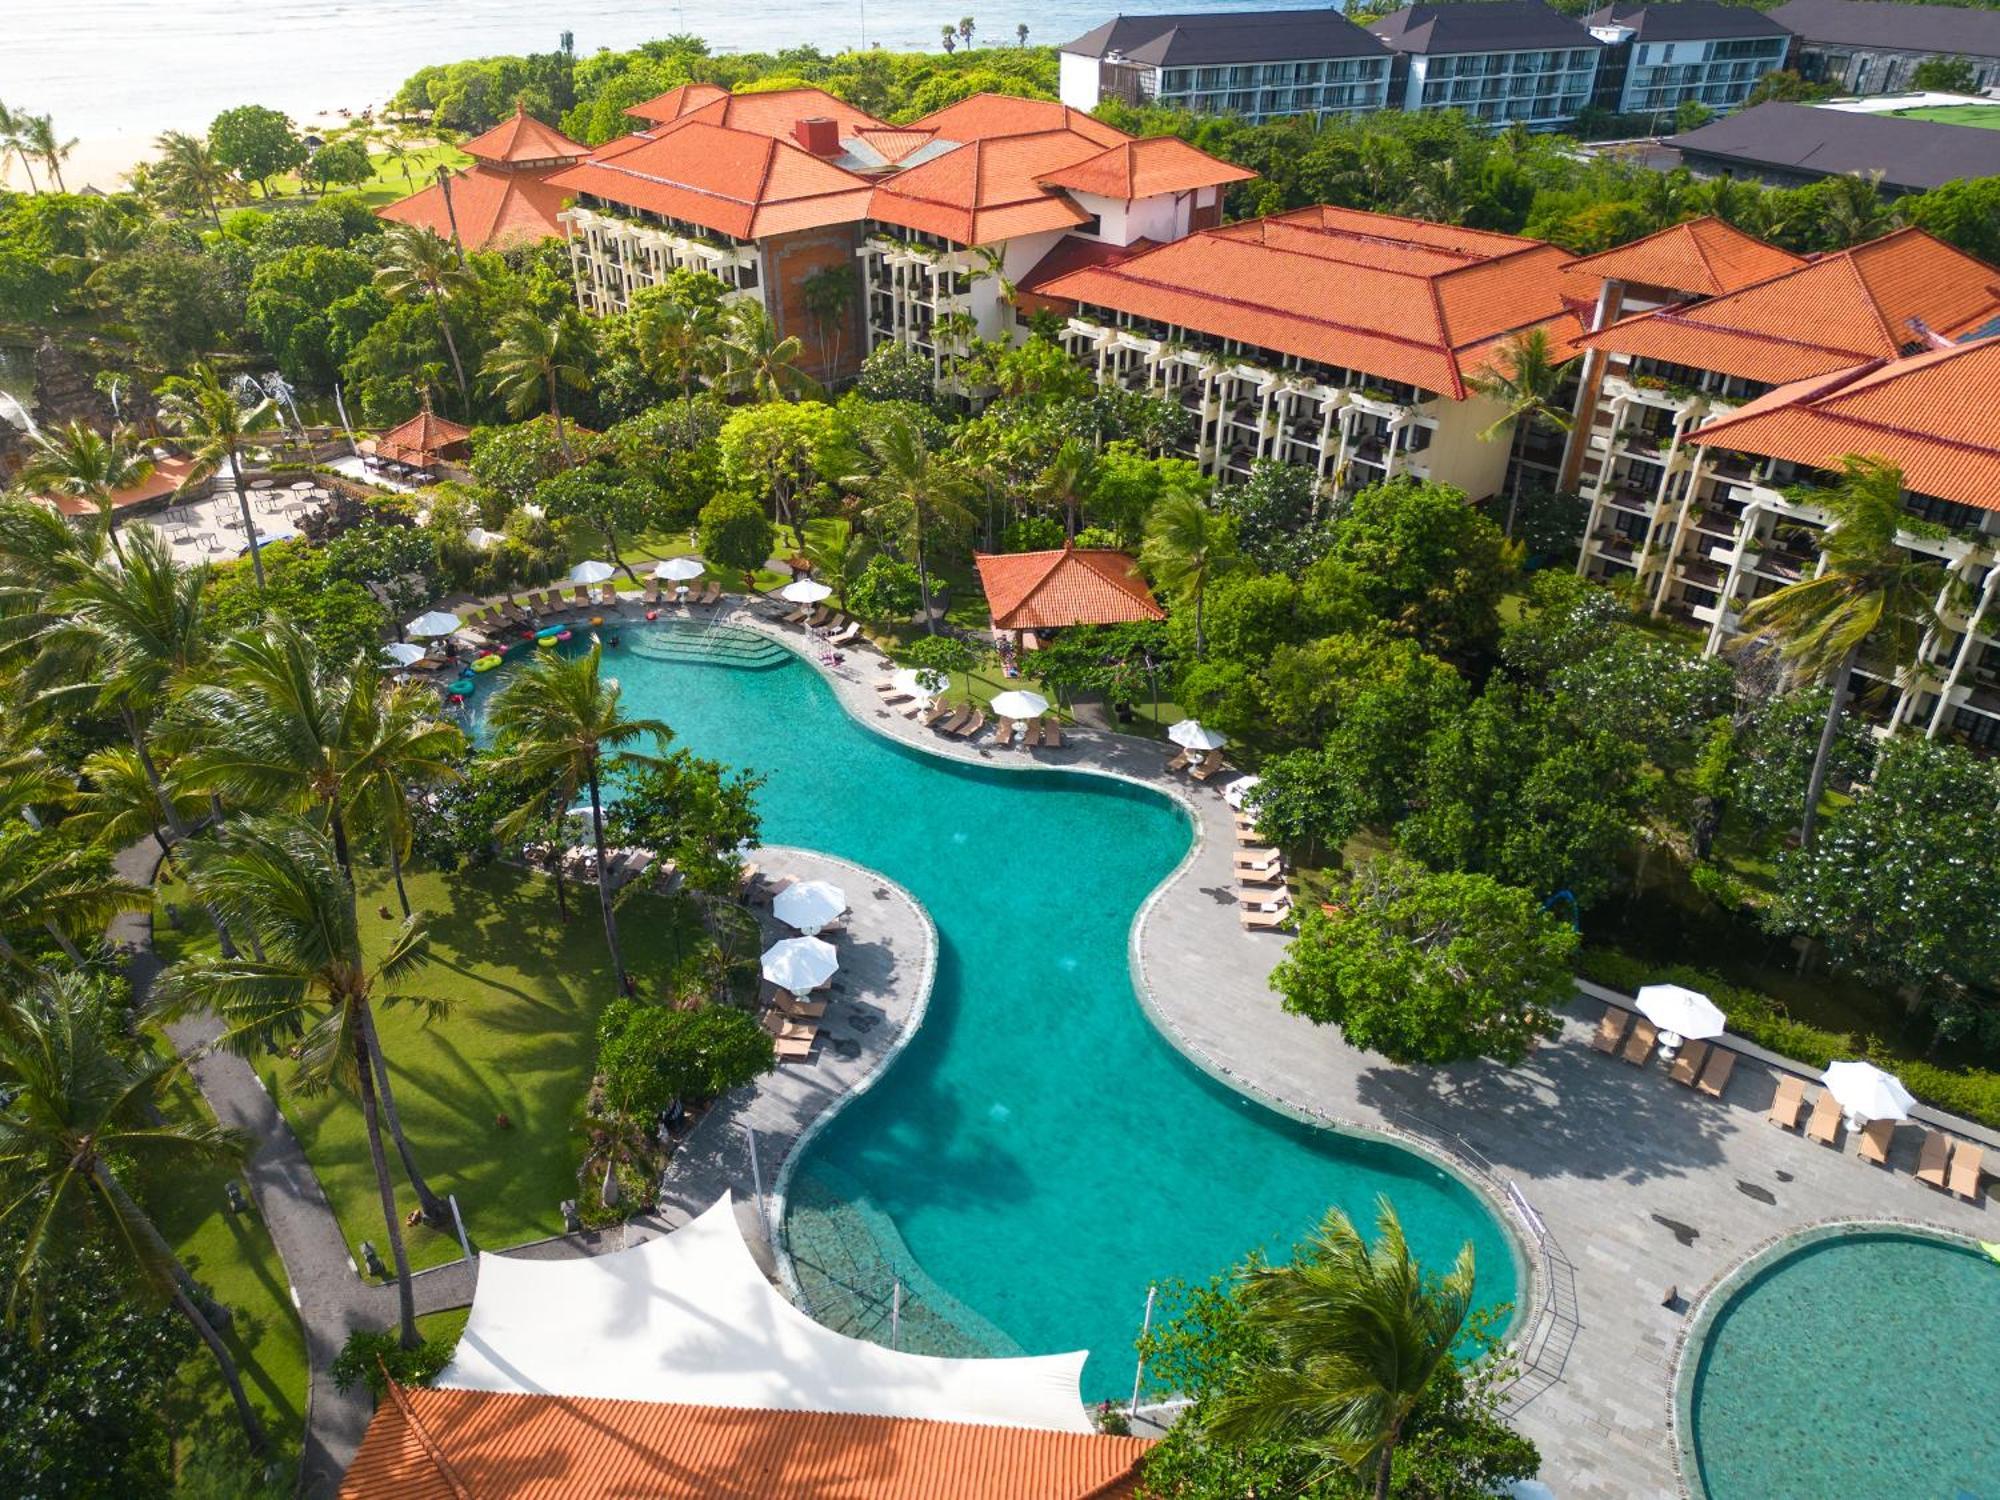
x: 1233, y: 793
x: 483, y: 539
x: 1865, y: 1092
x: 404, y: 653
x: 591, y: 572
x: 805, y: 591
x: 1190, y: 735
x: 1018, y: 703
x: 1680, y: 1011
x: 809, y: 905
x: 581, y: 812
x: 680, y: 569
x: 800, y: 964
x: 918, y: 682
x: 433, y: 623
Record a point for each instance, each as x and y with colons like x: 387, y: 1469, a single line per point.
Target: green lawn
x: 1987, y: 116
x: 390, y: 181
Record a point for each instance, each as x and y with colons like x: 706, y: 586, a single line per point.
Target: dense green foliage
x: 650, y: 1057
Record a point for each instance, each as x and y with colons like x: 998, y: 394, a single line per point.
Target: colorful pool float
x: 463, y: 686
x: 550, y: 632
x: 487, y: 662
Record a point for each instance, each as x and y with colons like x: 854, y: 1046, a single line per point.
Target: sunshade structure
x: 1235, y: 792
x: 919, y: 682
x: 431, y: 624
x: 404, y: 653
x: 1865, y: 1092
x: 423, y: 442
x: 1019, y: 703
x: 592, y: 571
x: 809, y: 905
x: 1068, y: 586
x: 801, y: 963
x: 690, y: 1318
x: 1686, y: 1013
x: 805, y: 591
x: 1192, y: 735
x: 680, y: 569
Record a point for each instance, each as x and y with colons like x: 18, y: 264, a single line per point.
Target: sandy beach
x: 102, y: 161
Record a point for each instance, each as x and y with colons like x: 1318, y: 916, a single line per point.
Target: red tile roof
x: 1403, y: 299
x: 431, y: 1444
x: 1071, y: 253
x: 496, y: 208
x: 1141, y: 169
x: 986, y: 190
x: 670, y: 106
x: 776, y: 112
x: 1872, y: 302
x: 1930, y: 414
x: 894, y: 142
x: 424, y: 439
x: 525, y: 139
x: 167, y: 476
x: 1069, y: 586
x: 984, y: 116
x: 1704, y: 256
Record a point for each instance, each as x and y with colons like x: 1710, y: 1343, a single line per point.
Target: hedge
x: 1973, y: 1093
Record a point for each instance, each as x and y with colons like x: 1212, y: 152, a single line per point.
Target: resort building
x: 1504, y: 61
x: 1338, y: 340
x: 1030, y: 592
x: 1260, y: 64
x: 1874, y: 46
x: 1788, y: 145
x: 505, y: 199
x: 1659, y: 57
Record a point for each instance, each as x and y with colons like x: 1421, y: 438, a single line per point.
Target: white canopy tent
x: 690, y: 1318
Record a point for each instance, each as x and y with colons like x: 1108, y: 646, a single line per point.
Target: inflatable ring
x: 652, y: 614
x: 486, y: 663
x: 546, y: 642
x: 548, y: 632
x: 597, y: 619
x: 463, y: 686
x: 562, y: 635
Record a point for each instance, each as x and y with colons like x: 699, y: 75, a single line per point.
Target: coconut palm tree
x: 559, y: 724
x: 39, y: 552
x: 76, y: 1113
x: 217, y: 432
x: 1870, y: 592
x: 838, y: 558
x: 39, y: 134
x: 679, y: 342
x: 1525, y: 381
x: 1187, y: 547
x: 965, y: 30
x: 66, y: 891
x: 1068, y: 480
x: 397, y: 743
x: 914, y: 492
x: 415, y: 265
x: 118, y: 805
x: 80, y: 462
x: 1356, y: 1331
x: 14, y: 144
x: 758, y: 363
x: 188, y: 175
x: 534, y: 359
x: 314, y: 991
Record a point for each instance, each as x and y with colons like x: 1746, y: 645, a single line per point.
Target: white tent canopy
x: 690, y: 1318
x: 809, y: 905
x: 1019, y: 703
x: 801, y: 963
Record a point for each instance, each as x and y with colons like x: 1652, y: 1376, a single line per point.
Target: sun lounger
x: 1875, y: 1138
x: 937, y: 711
x: 1639, y: 1045
x: 845, y: 634
x: 1611, y: 1030
x: 891, y: 697
x: 1275, y: 875
x: 1824, y: 1124
x: 1179, y: 762
x: 652, y: 594
x: 1052, y: 735
x: 792, y: 1042
x: 1258, y: 859
x: 952, y: 719
x: 819, y: 617
x: 1715, y: 1077
x: 1787, y: 1102
x: 1248, y: 835
x: 791, y: 1006
x: 713, y: 592
x: 1266, y: 921
x: 1207, y: 768
x: 971, y: 726
x: 794, y: 616
x: 1965, y: 1162
x: 608, y: 594
x: 1687, y: 1067
x: 1003, y: 730
x: 1932, y: 1158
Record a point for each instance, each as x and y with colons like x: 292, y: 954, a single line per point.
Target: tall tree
x: 1526, y: 380
x: 415, y: 265
x: 1188, y: 546
x: 78, y: 461
x: 39, y: 134
x: 217, y: 431
x: 913, y: 493
x: 534, y: 359
x: 14, y: 144
x: 757, y: 362
x: 679, y: 340
x: 189, y: 176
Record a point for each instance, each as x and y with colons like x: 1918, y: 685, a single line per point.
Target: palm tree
x: 950, y: 37
x: 828, y: 294
x: 914, y: 491
x: 39, y: 552
x: 559, y: 724
x: 119, y: 805
x: 75, y: 1113
x: 965, y: 29
x: 1525, y: 381
x: 39, y: 134
x: 838, y: 558
x: 188, y: 174
x: 67, y: 892
x: 534, y: 360
x: 78, y: 461
x: 413, y: 263
x: 216, y: 430
x: 397, y: 742
x: 1869, y: 592
x: 1187, y: 547
x: 14, y: 144
x: 1021, y: 34
x: 679, y: 342
x: 1068, y: 479
x: 313, y: 991
x: 757, y: 362
x: 1355, y: 1332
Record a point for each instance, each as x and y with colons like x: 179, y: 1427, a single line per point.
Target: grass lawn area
x: 1984, y: 115
x: 390, y: 181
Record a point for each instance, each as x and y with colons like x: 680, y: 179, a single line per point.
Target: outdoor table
x: 262, y: 484
x: 304, y: 484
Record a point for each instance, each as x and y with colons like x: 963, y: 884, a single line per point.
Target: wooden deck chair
x: 950, y: 725
x: 938, y: 709
x: 969, y: 727
x: 652, y: 594
x: 1274, y: 875
x: 1687, y: 1067
x: 1824, y: 1123
x: 1253, y: 858
x: 1639, y: 1045
x: 1611, y: 1030
x: 608, y: 594
x: 1179, y: 762
x: 580, y: 594
x: 1052, y: 735
x: 1003, y: 730
x: 713, y: 592
x: 1875, y: 1138
x: 1715, y: 1077
x: 1266, y: 921
x: 1965, y: 1163
x: 1932, y: 1158
x: 1787, y: 1102
x: 792, y: 1040
x: 792, y: 1007
x: 1207, y: 768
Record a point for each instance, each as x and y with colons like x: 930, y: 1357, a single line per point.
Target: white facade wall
x: 1077, y: 80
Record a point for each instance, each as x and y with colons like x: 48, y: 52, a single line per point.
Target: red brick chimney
x: 819, y: 135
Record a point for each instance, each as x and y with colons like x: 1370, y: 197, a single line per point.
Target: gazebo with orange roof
x: 504, y: 199
x: 1071, y: 585
x: 424, y: 442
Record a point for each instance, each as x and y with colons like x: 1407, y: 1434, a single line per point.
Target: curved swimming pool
x: 1858, y: 1362
x: 1038, y: 1154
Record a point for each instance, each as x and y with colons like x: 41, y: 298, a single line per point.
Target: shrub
x: 366, y: 1353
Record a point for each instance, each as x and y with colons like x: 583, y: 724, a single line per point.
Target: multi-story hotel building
x: 1658, y: 57
x: 1876, y: 46
x: 1505, y: 62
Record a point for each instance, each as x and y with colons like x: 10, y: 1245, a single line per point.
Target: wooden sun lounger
x: 1824, y: 1124
x: 1031, y: 734
x: 1052, y: 735
x: 1207, y: 768
x: 1875, y: 1138
x: 1248, y: 835
x: 951, y: 725
x: 1932, y: 1158
x: 1003, y: 730
x: 608, y: 595
x: 1965, y: 1163
x: 788, y: 1004
x: 1687, y: 1067
x: 819, y: 617
x: 1266, y: 921
x: 1639, y: 1046
x: 891, y: 697
x: 652, y: 594
x: 845, y: 634
x: 1715, y: 1077
x: 580, y: 594
x: 1274, y: 875
x: 971, y: 726
x: 713, y: 592
x: 1611, y: 1030
x: 1180, y: 761
x: 1787, y: 1102
x: 936, y: 711
x: 792, y: 1041
x: 1258, y: 859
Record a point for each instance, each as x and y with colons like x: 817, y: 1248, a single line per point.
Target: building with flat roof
x: 1504, y: 61
x: 1790, y: 144
x: 1260, y: 64
x: 1874, y: 46
x: 1659, y: 57
x: 505, y: 199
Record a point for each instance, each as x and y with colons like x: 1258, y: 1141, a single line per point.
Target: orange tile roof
x: 167, y: 476
x: 1704, y: 256
x: 984, y: 116
x: 1141, y: 169
x: 775, y: 112
x: 1403, y: 299
x: 665, y: 108
x: 1070, y: 253
x: 432, y: 1444
x: 424, y: 439
x: 525, y: 139
x: 1929, y: 413
x: 986, y: 190
x: 1872, y: 302
x: 894, y: 142
x: 496, y: 208
x: 1069, y: 586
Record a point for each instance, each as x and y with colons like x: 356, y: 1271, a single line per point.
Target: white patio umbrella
x: 483, y: 539
x: 1190, y: 734
x: 809, y: 905
x: 431, y: 624
x: 1865, y: 1092
x: 1233, y: 793
x: 918, y: 682
x: 800, y: 964
x: 805, y: 591
x: 1019, y: 703
x: 404, y: 653
x: 581, y: 812
x: 1680, y: 1013
x: 680, y: 569
x: 591, y: 572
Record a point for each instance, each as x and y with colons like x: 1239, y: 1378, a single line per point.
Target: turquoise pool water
x: 1039, y: 1153
x: 1866, y: 1365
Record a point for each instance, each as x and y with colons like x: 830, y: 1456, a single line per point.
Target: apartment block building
x: 1875, y: 46
x: 1262, y: 65
x: 1337, y: 340
x: 1506, y: 62
x: 1659, y: 57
